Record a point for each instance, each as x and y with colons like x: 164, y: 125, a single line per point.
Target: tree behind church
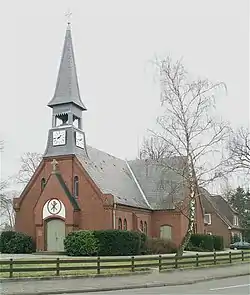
x: 239, y: 199
x: 187, y: 129
x: 29, y: 161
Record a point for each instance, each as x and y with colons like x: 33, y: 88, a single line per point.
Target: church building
x: 78, y: 187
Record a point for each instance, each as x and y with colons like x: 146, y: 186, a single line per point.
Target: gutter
x: 138, y: 185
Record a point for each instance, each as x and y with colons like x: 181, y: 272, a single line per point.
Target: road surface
x: 232, y: 286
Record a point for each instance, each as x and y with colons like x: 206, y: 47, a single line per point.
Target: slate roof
x: 67, y: 88
x: 224, y: 208
x: 161, y: 187
x: 112, y: 176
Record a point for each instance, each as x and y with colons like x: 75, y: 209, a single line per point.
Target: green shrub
x: 81, y: 243
x: 191, y: 247
x: 16, y: 243
x: 218, y: 243
x: 118, y: 242
x: 160, y: 246
x: 143, y: 241
x: 201, y: 241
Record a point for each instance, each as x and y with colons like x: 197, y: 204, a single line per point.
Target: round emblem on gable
x: 54, y: 206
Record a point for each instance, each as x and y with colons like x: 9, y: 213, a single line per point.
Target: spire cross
x: 68, y: 16
x: 54, y: 164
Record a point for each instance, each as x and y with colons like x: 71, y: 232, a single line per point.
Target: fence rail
x: 57, y: 266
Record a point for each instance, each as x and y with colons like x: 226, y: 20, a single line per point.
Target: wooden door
x: 55, y: 235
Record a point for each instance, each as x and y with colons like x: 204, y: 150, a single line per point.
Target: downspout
x: 114, y: 216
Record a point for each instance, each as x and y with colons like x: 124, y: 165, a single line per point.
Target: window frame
x: 209, y: 220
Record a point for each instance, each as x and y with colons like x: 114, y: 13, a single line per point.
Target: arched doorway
x: 55, y: 235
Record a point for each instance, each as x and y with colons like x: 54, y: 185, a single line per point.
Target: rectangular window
x: 207, y: 218
x: 236, y: 220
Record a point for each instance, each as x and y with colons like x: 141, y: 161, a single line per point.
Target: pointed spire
x: 67, y: 88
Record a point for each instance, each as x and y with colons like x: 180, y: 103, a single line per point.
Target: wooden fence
x: 99, y: 264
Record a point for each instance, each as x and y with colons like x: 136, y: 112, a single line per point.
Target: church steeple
x: 67, y: 88
x: 66, y: 136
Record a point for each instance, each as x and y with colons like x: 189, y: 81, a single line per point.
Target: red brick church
x: 79, y: 187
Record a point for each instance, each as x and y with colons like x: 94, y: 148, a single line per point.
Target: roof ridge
x: 138, y: 185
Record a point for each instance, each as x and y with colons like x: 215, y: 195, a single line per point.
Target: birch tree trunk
x: 186, y: 238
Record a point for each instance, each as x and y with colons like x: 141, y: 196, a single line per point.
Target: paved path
x: 232, y: 286
x: 62, y: 286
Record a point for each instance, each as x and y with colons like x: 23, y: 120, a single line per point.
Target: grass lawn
x: 82, y: 266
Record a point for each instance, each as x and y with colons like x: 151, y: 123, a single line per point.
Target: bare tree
x: 7, y: 220
x: 190, y: 132
x: 153, y: 148
x: 29, y: 163
x: 239, y: 150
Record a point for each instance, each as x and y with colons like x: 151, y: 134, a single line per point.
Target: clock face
x: 59, y: 137
x: 80, y: 140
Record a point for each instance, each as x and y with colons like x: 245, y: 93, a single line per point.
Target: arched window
x: 119, y: 223
x: 125, y: 225
x: 141, y: 226
x: 76, y: 187
x: 145, y: 228
x: 43, y: 183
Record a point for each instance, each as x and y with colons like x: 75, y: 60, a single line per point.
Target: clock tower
x: 66, y: 136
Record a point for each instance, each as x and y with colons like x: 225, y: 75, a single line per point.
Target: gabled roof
x: 129, y: 183
x: 224, y: 208
x: 67, y: 88
x: 220, y: 206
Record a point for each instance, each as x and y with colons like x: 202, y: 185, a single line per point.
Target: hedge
x: 16, y: 243
x: 202, y: 242
x: 118, y: 242
x: 104, y: 243
x: 81, y: 243
x: 218, y: 243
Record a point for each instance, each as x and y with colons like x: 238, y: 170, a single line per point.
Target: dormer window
x: 236, y: 220
x: 76, y: 187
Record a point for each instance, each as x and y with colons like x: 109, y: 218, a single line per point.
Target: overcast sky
x: 114, y: 42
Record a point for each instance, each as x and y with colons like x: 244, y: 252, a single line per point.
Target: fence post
x: 176, y: 261
x: 242, y: 255
x: 57, y: 266
x: 160, y: 263
x: 197, y: 260
x: 11, y: 268
x: 98, y: 265
x: 230, y: 257
x: 215, y: 261
x: 132, y: 264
